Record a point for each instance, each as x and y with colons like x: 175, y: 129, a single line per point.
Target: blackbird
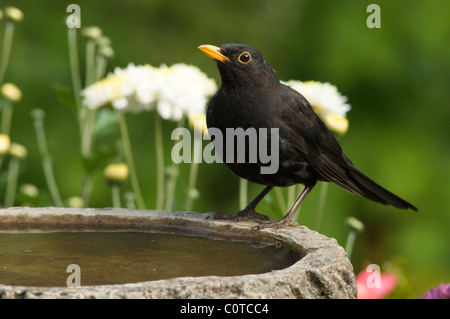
x: 252, y: 96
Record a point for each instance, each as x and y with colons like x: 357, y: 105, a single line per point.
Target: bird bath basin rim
x: 323, y: 271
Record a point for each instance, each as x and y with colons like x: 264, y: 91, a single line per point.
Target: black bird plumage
x: 251, y: 95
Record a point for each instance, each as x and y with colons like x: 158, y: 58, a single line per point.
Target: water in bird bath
x: 41, y: 259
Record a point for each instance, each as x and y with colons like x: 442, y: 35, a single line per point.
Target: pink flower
x: 375, y: 285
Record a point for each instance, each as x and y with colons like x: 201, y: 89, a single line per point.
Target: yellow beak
x: 213, y: 52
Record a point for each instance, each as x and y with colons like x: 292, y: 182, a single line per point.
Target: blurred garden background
x: 396, y: 79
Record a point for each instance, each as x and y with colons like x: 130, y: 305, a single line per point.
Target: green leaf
x: 99, y: 159
x: 65, y: 95
x: 106, y: 122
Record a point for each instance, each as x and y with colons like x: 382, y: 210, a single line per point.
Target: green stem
x: 46, y: 158
x: 321, y: 208
x: 87, y: 126
x: 115, y: 191
x: 350, y: 242
x: 74, y: 65
x: 243, y: 193
x: 191, y: 186
x: 129, y: 199
x: 192, y: 192
x: 159, y: 163
x: 77, y: 86
x: 11, y: 187
x: 101, y: 64
x: 130, y: 161
x: 6, y: 118
x: 90, y: 63
x: 86, y: 189
x: 173, y: 173
x: 6, y: 51
x: 173, y: 176
x: 281, y: 201
x: 83, y: 113
x: 87, y: 137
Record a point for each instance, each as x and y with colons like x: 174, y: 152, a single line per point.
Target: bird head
x: 241, y: 65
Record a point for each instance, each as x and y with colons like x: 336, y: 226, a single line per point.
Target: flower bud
x: 13, y: 13
x: 11, y: 92
x: 116, y: 173
x: 29, y: 190
x: 194, y: 193
x: 18, y: 151
x: 75, y: 202
x: 354, y: 224
x: 5, y: 143
x: 107, y: 52
x: 91, y: 32
x: 103, y: 41
x: 38, y: 114
x: 171, y: 171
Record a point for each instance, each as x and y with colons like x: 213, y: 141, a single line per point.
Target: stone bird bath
x: 321, y: 270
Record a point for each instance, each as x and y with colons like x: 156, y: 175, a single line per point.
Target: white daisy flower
x: 326, y: 101
x: 185, y: 90
x: 176, y: 91
x: 113, y: 89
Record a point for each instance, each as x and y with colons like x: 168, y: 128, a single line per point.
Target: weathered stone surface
x: 323, y: 272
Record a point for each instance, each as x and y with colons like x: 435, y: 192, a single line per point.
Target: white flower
x: 176, y: 91
x: 131, y: 78
x: 120, y: 89
x: 326, y: 101
x: 109, y: 90
x: 185, y: 91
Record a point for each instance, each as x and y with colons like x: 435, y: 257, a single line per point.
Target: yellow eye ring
x: 244, y: 58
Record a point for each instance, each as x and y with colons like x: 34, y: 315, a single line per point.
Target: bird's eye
x: 244, y: 58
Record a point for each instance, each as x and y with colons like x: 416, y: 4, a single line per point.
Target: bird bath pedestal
x: 321, y: 271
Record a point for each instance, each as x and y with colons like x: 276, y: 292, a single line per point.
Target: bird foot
x: 242, y: 215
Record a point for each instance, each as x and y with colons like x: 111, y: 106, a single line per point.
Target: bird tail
x: 375, y: 192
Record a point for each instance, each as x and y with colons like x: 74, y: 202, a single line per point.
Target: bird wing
x: 311, y: 137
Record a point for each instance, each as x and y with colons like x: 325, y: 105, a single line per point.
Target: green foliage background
x: 396, y: 78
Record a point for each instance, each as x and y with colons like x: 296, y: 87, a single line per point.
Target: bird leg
x: 248, y: 211
x: 287, y: 220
